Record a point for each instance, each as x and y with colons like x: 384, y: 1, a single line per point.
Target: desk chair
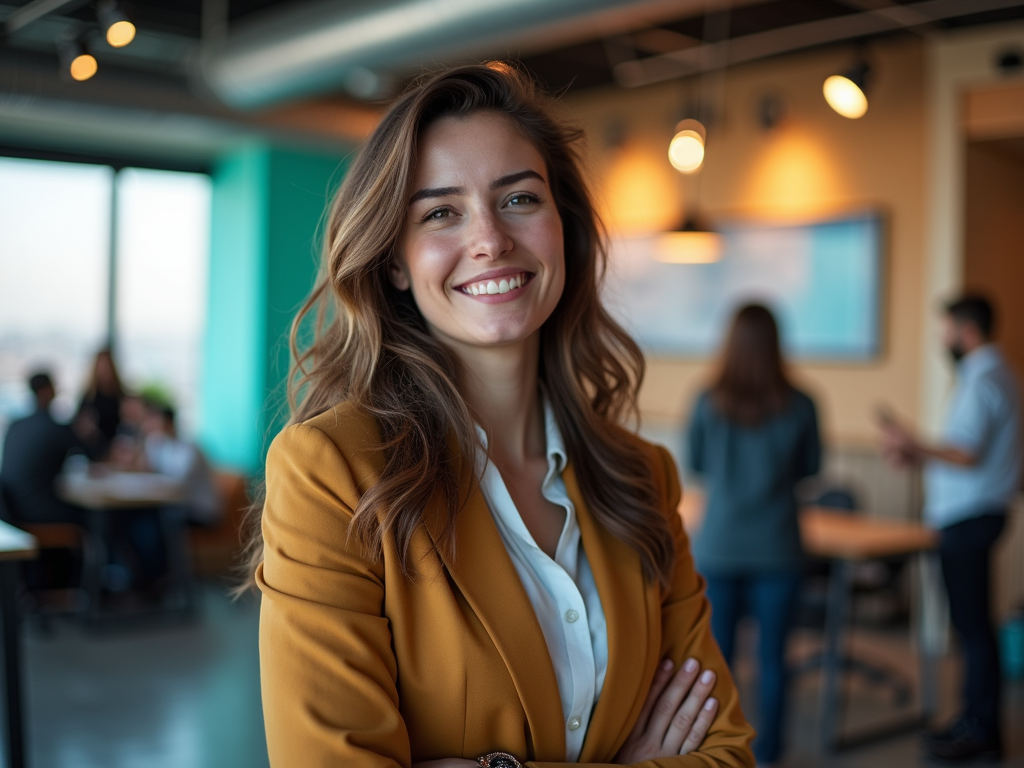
x: 881, y: 577
x: 44, y: 600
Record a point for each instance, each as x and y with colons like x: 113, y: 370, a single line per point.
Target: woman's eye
x: 522, y: 198
x: 437, y: 214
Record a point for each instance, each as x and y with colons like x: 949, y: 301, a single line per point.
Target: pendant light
x: 694, y: 241
x: 846, y: 93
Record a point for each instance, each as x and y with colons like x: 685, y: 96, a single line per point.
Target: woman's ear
x: 398, y: 276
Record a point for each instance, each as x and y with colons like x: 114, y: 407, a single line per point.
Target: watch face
x: 503, y: 762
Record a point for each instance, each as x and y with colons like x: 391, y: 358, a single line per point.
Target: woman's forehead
x: 454, y: 150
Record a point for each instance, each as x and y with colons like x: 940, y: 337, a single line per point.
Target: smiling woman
x: 465, y: 559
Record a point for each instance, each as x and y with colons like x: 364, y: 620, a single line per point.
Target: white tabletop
x: 117, y: 490
x: 15, y: 544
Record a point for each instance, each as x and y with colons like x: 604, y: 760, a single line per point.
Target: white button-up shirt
x: 562, y: 591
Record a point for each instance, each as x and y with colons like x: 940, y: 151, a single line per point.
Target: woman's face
x: 481, y: 249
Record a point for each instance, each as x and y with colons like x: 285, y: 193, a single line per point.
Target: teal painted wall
x: 267, y: 206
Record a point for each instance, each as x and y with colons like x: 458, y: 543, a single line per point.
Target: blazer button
x: 574, y: 723
x: 571, y: 616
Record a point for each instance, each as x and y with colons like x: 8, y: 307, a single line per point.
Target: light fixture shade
x: 686, y: 150
x: 118, y: 28
x: 692, y: 243
x: 846, y: 93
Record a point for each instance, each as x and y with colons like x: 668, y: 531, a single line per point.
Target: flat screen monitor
x: 822, y: 280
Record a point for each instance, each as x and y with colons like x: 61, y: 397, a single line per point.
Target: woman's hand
x: 676, y: 716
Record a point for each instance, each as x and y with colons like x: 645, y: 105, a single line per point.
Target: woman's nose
x: 488, y: 238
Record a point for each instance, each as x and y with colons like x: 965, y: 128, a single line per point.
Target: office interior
x: 166, y: 197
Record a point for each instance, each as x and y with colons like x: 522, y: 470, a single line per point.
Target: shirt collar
x: 981, y: 359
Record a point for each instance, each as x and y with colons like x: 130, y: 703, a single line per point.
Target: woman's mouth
x: 496, y: 285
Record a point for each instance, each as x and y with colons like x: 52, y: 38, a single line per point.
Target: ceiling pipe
x: 326, y: 46
x: 760, y: 45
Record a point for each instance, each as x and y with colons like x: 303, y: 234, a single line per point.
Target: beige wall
x: 813, y: 164
x: 994, y: 237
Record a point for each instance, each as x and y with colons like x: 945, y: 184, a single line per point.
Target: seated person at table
x: 101, y: 403
x: 165, y: 452
x: 34, y: 452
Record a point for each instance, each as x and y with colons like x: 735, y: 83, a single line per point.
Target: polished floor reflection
x: 161, y: 696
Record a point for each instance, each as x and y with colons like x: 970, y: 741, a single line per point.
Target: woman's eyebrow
x: 424, y: 194
x: 512, y: 178
x: 504, y: 181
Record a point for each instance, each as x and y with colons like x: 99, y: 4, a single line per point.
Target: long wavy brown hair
x: 752, y: 384
x: 359, y: 339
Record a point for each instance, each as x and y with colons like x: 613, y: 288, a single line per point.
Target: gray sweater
x: 750, y: 524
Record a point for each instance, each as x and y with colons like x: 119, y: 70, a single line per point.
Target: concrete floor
x: 184, y: 696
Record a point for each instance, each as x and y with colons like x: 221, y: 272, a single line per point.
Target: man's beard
x: 956, y: 352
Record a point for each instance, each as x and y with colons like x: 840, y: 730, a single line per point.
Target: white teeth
x: 491, y: 287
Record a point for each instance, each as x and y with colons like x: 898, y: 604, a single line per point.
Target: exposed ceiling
x: 209, y: 61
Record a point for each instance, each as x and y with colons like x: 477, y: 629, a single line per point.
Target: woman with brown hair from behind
x: 465, y: 559
x: 753, y: 436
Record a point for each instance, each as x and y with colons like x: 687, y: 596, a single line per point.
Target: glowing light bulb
x: 686, y: 151
x: 120, y: 33
x: 845, y: 96
x: 83, y: 67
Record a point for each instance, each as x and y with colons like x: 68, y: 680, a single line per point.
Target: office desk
x: 114, y: 492
x: 845, y: 539
x: 15, y: 547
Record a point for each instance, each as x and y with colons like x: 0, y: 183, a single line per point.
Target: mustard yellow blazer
x: 362, y: 666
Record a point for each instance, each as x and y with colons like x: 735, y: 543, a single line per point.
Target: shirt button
x: 571, y: 616
x: 574, y: 723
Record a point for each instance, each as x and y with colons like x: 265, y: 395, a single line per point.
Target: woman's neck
x: 501, y: 386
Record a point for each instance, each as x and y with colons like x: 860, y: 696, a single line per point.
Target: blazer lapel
x: 631, y: 613
x: 484, y: 573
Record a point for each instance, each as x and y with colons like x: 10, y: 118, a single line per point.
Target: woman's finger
x: 668, y: 702
x: 662, y: 676
x: 700, y: 727
x: 686, y: 715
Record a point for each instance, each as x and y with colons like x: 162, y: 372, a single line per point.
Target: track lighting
x: 118, y: 28
x: 846, y: 93
x: 686, y: 150
x: 76, y: 60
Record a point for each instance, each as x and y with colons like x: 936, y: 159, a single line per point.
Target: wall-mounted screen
x: 822, y: 280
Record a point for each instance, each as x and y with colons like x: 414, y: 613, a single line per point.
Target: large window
x: 56, y: 260
x: 163, y: 232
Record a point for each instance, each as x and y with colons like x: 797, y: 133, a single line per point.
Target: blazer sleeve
x: 685, y: 633
x: 327, y: 670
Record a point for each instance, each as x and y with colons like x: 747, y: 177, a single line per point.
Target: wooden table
x: 110, y: 492
x: 15, y: 547
x: 845, y: 539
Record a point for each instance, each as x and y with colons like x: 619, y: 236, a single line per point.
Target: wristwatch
x: 498, y: 760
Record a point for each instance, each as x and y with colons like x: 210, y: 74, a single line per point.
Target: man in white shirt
x: 971, y: 479
x: 166, y: 453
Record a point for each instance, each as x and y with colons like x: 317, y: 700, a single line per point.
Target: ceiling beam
x: 34, y: 11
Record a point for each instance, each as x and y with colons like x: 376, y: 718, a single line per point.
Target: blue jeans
x: 770, y: 598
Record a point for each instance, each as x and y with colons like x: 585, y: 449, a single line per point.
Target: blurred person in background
x: 752, y: 437
x: 101, y: 402
x: 971, y: 477
x: 164, y: 451
x: 35, y: 450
